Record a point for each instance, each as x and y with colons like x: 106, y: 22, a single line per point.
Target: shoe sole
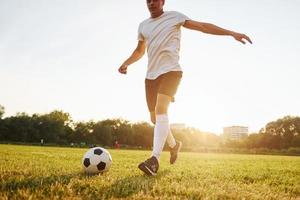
x: 179, y: 148
x: 146, y: 170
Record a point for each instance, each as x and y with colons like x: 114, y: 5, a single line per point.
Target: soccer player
x: 160, y: 35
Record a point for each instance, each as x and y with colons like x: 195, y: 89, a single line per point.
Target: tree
x: 83, y: 132
x: 142, y: 134
x: 18, y: 128
x: 55, y: 127
x: 103, y: 134
x: 282, y: 132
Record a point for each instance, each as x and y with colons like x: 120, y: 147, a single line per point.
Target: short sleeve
x: 181, y: 18
x: 140, y: 34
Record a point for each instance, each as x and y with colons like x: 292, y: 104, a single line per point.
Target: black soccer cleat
x: 149, y: 166
x: 174, y: 152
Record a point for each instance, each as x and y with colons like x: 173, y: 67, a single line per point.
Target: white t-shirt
x: 162, y: 36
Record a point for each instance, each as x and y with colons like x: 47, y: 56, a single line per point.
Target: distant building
x: 177, y: 126
x: 235, y: 132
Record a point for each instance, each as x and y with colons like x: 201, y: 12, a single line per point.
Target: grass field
x: 29, y: 172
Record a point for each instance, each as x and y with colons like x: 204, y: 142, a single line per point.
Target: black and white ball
x: 96, y: 160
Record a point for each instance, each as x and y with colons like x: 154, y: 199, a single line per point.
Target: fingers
x: 123, y: 69
x: 246, y: 38
x: 241, y: 38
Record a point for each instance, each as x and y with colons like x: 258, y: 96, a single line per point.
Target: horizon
x: 141, y: 121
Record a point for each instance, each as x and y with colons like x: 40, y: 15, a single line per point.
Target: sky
x: 64, y: 55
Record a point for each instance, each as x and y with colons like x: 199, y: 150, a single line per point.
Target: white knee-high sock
x: 161, y: 131
x: 171, y: 140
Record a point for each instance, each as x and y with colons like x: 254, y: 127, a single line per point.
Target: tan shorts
x: 164, y: 84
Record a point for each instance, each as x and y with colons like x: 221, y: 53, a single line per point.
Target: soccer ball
x: 96, y: 160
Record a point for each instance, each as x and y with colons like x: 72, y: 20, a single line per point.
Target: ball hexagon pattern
x: 96, y: 160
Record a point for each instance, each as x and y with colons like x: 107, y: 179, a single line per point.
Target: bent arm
x: 137, y: 53
x: 135, y: 56
x: 215, y: 30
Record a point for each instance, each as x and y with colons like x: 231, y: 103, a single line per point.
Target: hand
x: 239, y: 37
x: 123, y: 69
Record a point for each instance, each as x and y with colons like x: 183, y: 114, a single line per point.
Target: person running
x: 160, y: 35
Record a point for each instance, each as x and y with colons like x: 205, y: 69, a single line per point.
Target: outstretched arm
x: 135, y: 56
x: 215, y: 30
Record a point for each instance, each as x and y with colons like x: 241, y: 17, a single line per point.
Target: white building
x: 235, y: 132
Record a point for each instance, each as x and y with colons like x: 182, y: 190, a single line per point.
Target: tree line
x: 57, y: 127
x: 282, y: 133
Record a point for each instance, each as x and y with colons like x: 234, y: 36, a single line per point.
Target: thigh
x: 151, y: 88
x: 169, y: 83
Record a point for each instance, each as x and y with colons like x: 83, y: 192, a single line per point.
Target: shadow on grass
x: 37, y: 182
x: 121, y: 188
x: 131, y: 185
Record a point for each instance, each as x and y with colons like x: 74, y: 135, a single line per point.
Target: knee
x: 152, y: 116
x: 160, y: 109
x: 153, y: 121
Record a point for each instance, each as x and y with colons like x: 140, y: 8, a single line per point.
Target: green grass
x: 28, y: 172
